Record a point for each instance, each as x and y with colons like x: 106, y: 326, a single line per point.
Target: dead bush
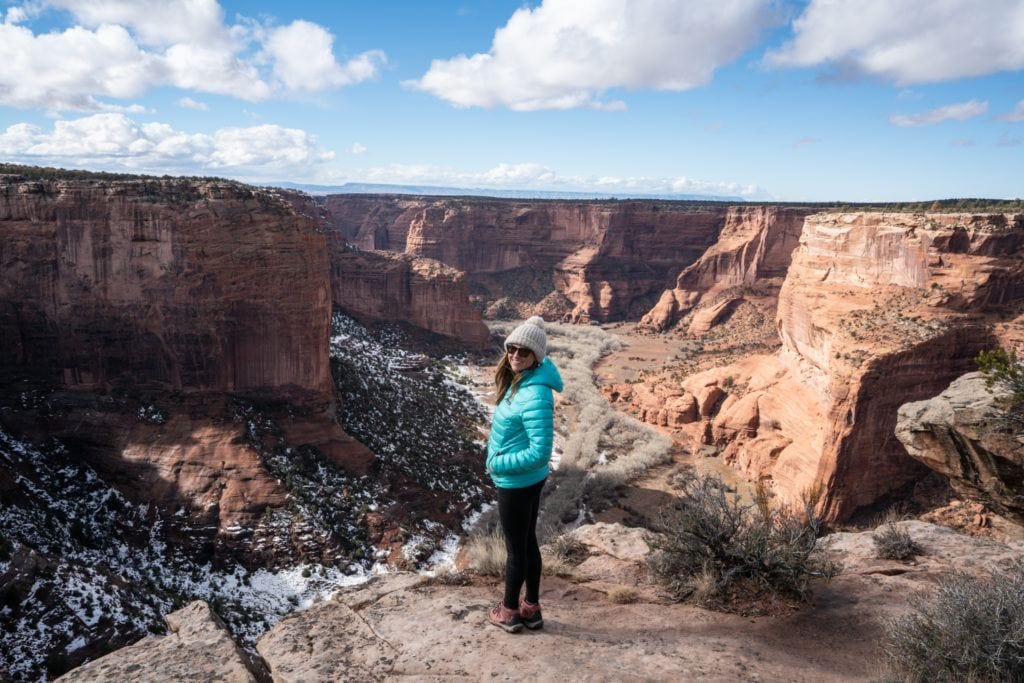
x: 569, y: 549
x: 623, y: 595
x: 971, y: 629
x: 446, y: 576
x: 893, y: 542
x: 710, y: 542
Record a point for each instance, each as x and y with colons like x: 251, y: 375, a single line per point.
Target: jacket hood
x: 546, y: 373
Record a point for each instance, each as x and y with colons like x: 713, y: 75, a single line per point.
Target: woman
x: 518, y: 452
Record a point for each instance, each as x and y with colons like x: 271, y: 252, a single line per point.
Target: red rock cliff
x: 166, y: 284
x: 609, y: 259
x: 140, y: 309
x: 876, y: 310
x: 385, y: 286
x: 755, y: 246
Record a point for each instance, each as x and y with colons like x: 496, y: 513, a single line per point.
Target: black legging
x: 518, y: 511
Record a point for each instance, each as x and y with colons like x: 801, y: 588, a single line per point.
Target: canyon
x: 578, y: 261
x: 181, y: 347
x: 251, y: 379
x: 805, y: 330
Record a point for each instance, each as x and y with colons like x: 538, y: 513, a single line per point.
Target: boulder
x: 951, y: 434
x: 199, y: 648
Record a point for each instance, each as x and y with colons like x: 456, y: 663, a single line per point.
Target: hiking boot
x: 529, y: 614
x: 505, y: 618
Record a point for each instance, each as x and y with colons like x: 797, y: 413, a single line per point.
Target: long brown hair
x: 506, y: 379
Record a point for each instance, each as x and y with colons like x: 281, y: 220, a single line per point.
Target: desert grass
x: 623, y: 595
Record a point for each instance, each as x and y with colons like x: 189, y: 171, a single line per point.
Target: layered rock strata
x: 138, y: 307
x: 755, y: 246
x: 876, y: 310
x: 381, y: 285
x: 173, y: 285
x: 609, y: 259
x: 955, y: 434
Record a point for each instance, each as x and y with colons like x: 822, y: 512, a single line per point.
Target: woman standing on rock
x: 518, y: 451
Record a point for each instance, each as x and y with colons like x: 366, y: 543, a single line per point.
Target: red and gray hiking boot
x: 529, y: 613
x: 505, y: 618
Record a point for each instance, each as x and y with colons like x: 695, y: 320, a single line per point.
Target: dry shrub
x: 447, y: 576
x: 569, y: 549
x: 485, y: 553
x: 893, y: 542
x: 972, y: 629
x: 555, y: 566
x: 623, y: 595
x: 711, y: 542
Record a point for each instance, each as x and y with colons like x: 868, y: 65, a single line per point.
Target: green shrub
x: 971, y: 629
x: 1002, y: 369
x: 711, y: 542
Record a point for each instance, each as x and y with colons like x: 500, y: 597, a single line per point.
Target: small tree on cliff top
x: 1002, y: 368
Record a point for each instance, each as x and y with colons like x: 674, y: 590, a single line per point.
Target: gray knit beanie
x: 531, y: 335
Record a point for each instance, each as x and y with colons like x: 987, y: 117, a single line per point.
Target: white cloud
x: 908, y: 41
x: 1014, y: 116
x: 113, y: 141
x: 534, y: 176
x: 357, y: 149
x: 120, y: 49
x: 566, y: 54
x: 304, y: 60
x: 951, y: 112
x: 189, y: 103
x: 156, y: 23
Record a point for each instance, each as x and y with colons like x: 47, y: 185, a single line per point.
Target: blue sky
x: 858, y: 100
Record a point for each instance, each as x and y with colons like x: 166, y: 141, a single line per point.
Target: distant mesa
x: 436, y: 191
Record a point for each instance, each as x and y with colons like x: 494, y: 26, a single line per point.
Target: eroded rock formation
x: 609, y: 260
x: 955, y: 435
x: 170, y: 284
x: 167, y: 297
x: 755, y: 246
x: 381, y: 285
x: 876, y: 310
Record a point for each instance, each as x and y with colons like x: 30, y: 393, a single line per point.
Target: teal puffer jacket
x: 523, y: 430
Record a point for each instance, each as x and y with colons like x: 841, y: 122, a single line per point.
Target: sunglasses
x: 518, y: 351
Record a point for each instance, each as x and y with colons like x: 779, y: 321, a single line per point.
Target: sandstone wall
x: 755, y: 246
x: 132, y: 314
x: 386, y: 286
x: 879, y: 309
x: 876, y: 309
x: 610, y: 259
x: 169, y: 284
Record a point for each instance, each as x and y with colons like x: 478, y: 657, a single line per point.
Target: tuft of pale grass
x: 485, y: 553
x: 447, y: 576
x: 704, y: 586
x: 623, y: 595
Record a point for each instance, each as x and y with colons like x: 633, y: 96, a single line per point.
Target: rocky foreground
x: 407, y: 625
